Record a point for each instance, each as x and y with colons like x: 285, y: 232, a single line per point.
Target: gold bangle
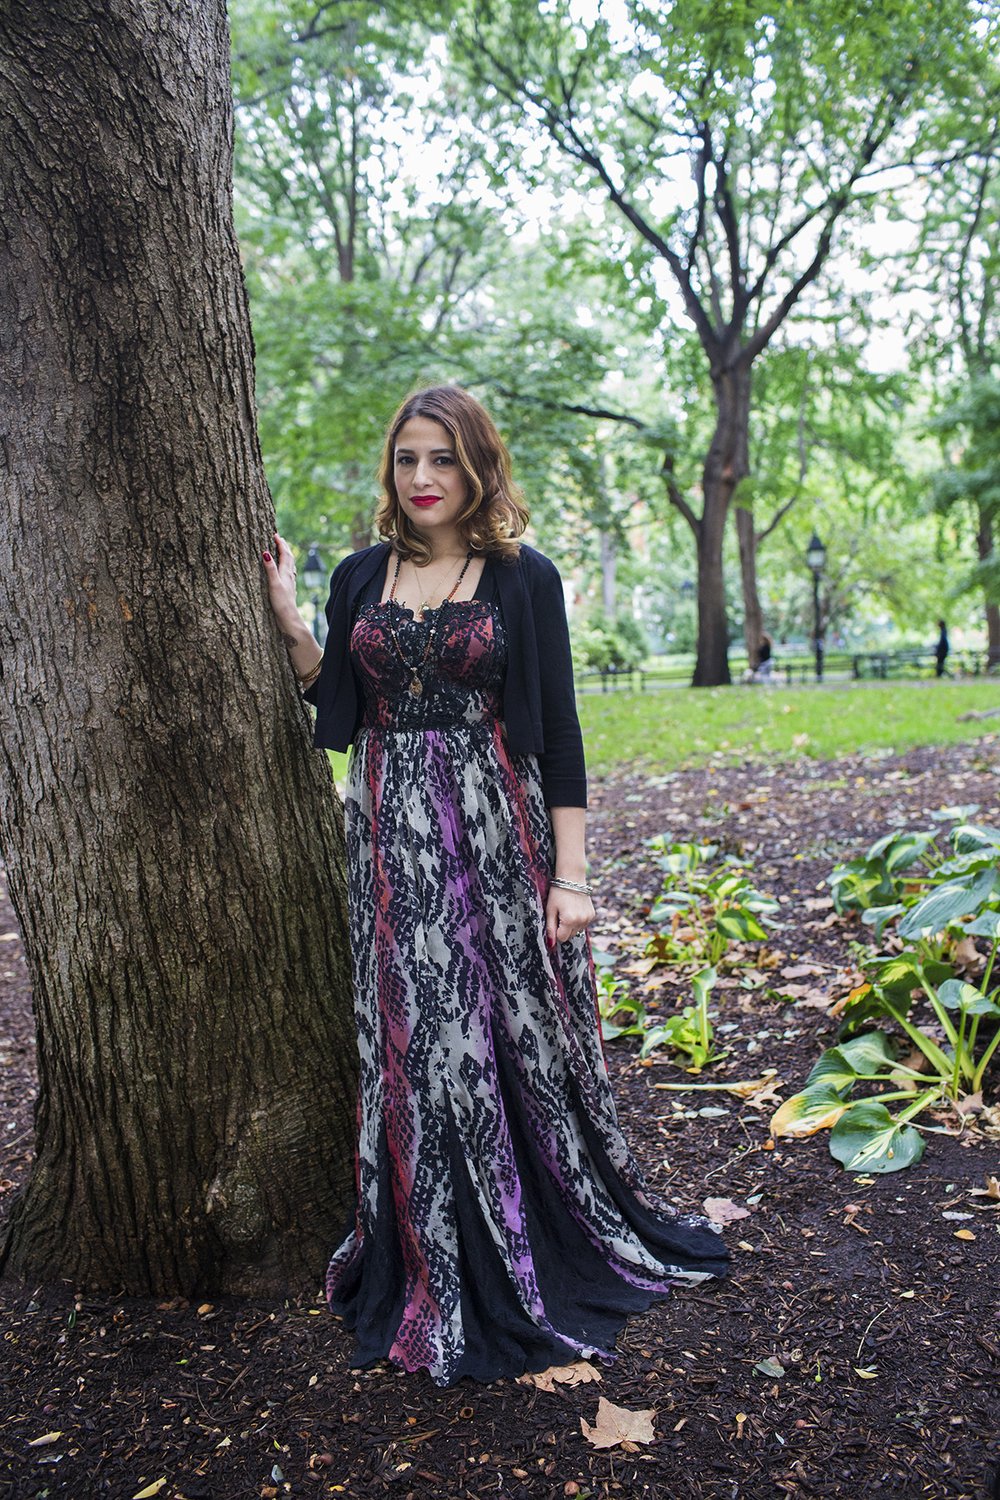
x: 310, y: 677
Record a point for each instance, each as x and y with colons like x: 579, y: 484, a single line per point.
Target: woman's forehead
x: 424, y: 432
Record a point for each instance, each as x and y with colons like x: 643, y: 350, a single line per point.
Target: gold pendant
x: 416, y: 686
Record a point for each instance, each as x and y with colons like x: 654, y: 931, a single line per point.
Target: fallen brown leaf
x: 579, y: 1373
x: 616, y: 1425
x: 724, y: 1210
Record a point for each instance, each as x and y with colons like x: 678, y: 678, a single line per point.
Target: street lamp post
x: 816, y: 558
x: 314, y: 576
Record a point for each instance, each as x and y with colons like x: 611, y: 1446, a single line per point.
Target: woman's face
x: 429, y: 481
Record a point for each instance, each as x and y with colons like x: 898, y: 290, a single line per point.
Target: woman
x: 501, y: 1224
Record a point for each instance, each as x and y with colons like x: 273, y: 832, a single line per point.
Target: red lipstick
x: 424, y: 500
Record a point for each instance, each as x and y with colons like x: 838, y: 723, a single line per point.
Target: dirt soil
x: 878, y: 1297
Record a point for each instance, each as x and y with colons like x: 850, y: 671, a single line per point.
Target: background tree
x: 955, y: 265
x: 781, y: 115
x: 172, y: 841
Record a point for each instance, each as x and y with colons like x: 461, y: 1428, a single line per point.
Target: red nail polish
x: 267, y: 557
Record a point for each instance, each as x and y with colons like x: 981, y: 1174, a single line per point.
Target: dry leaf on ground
x: 579, y: 1373
x: 811, y: 1000
x: 617, y: 1425
x: 724, y: 1210
x: 991, y: 1190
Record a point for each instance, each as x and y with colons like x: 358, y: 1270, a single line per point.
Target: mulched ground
x: 833, y: 1274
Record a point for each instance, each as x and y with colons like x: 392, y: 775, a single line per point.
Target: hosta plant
x: 706, y: 904
x: 953, y: 1024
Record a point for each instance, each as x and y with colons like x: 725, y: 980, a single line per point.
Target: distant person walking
x: 765, y: 662
x: 942, y: 648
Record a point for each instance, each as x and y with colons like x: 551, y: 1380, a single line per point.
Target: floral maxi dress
x: 502, y: 1223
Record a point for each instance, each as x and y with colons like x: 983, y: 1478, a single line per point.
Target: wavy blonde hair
x: 495, y: 514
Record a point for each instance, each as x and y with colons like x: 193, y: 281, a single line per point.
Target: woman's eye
x: 446, y: 459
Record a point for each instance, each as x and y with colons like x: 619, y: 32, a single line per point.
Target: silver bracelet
x: 572, y: 885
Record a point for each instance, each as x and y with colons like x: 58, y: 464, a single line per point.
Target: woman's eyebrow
x: 433, y: 450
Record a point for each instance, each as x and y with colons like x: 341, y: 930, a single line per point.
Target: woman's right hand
x: 279, y: 567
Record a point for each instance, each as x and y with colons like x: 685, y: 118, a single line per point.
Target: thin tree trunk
x: 753, y: 615
x: 609, y: 567
x: 726, y: 464
x: 174, y: 844
x: 984, y: 540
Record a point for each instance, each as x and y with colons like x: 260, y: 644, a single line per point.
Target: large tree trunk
x: 984, y: 539
x: 174, y: 846
x: 726, y: 464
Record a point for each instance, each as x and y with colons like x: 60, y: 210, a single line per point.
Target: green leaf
x: 866, y: 1138
x: 955, y: 899
x: 955, y: 994
x: 950, y: 814
x: 739, y: 924
x: 702, y: 983
x: 610, y: 1032
x: 987, y: 925
x: 962, y: 864
x: 840, y: 1066
x: 898, y: 851
x: 971, y: 836
x: 878, y: 916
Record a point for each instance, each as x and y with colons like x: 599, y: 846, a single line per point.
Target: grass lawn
x: 672, y: 728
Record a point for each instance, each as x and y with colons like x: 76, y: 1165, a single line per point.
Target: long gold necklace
x: 416, y: 686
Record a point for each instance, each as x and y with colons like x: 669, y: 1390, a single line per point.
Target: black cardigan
x: 539, y: 703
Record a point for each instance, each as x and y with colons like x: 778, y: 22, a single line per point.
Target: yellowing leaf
x: 579, y: 1373
x: 964, y: 1234
x: 151, y: 1490
x: 46, y: 1437
x: 866, y: 1374
x: 817, y: 1108
x: 617, y: 1425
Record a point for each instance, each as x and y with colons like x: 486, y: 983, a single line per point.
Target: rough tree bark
x: 173, y: 841
x: 727, y: 462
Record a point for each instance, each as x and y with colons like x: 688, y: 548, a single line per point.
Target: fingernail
x: 267, y: 557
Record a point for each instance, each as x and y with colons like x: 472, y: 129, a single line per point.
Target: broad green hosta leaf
x: 859, y: 884
x: 955, y: 899
x: 898, y: 851
x: 739, y: 924
x: 964, y: 864
x: 877, y: 916
x: 867, y: 1139
x: 955, y: 994
x: 987, y: 925
x: 813, y: 1109
x: 841, y: 1066
x: 958, y: 814
x: 899, y: 973
x: 969, y: 836
x: 610, y: 1031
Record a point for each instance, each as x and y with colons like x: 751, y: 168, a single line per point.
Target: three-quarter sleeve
x: 561, y: 763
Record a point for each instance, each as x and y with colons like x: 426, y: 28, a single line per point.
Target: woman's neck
x: 446, y: 548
